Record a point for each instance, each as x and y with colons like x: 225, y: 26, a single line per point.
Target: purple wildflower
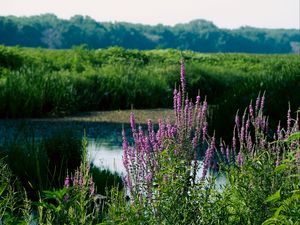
x: 240, y: 159
x: 234, y: 140
x: 257, y: 104
x: 237, y: 121
x: 92, y: 186
x: 251, y: 110
x: 208, y: 157
x: 67, y: 182
x: 182, y: 76
x: 288, y: 122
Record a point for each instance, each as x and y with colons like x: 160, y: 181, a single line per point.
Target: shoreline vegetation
x: 54, y: 83
x: 171, y: 169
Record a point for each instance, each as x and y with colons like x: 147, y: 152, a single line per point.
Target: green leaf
x: 274, y: 197
x: 269, y: 221
x: 294, y: 175
x: 59, y: 194
x: 280, y: 168
x: 2, y: 189
x: 294, y: 136
x: 276, y: 214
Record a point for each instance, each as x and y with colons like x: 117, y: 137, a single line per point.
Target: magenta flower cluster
x: 251, y: 134
x: 81, y: 180
x: 188, y: 135
x: 188, y: 131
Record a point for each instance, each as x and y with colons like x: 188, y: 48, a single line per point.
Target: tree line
x: 49, y: 31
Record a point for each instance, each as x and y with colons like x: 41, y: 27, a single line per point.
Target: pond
x: 102, y: 130
x: 105, y: 155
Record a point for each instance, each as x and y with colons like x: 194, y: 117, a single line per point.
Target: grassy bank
x: 42, y: 82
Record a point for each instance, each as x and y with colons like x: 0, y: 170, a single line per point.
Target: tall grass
x: 63, y: 81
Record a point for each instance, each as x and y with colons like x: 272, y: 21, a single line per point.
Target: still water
x: 104, y: 139
x: 108, y: 156
x: 105, y: 155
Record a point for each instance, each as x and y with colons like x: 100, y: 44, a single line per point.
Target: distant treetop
x: 48, y: 31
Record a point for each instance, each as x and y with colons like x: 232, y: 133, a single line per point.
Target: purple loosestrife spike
x: 132, y: 122
x: 249, y: 143
x: 242, y: 135
x: 197, y: 109
x: 80, y: 181
x: 251, y: 111
x: 190, y: 115
x: 257, y: 104
x: 149, y: 177
x: 227, y: 154
x: 182, y: 76
x: 92, y: 186
x: 67, y: 181
x: 173, y: 131
x: 208, y: 157
x: 288, y: 130
x: 237, y: 120
x: 169, y: 129
x: 175, y: 102
x: 195, y: 141
x: 133, y: 126
x: 262, y: 143
x: 279, y: 132
x: 197, y: 103
x: 247, y: 125
x: 186, y: 112
x: 234, y: 140
x: 240, y: 159
x: 178, y: 120
x: 150, y: 127
x: 142, y: 145
x: 204, y: 108
x: 204, y: 131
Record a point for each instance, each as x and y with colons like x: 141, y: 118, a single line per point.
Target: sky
x: 223, y: 13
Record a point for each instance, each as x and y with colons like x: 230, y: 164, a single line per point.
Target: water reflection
x: 106, y: 156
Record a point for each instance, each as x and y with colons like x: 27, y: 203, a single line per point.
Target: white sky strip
x: 224, y: 13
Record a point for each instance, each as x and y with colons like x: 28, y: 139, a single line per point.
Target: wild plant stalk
x: 187, y: 136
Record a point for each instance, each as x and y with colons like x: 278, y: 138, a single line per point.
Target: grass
x: 51, y: 83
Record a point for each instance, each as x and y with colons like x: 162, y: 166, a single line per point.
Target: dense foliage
x: 40, y: 82
x: 48, y: 31
x: 172, y: 175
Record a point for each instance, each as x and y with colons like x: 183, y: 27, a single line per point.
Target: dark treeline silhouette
x: 48, y: 31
